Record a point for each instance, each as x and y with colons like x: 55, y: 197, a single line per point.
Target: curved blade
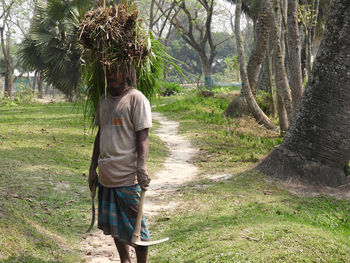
x: 150, y: 243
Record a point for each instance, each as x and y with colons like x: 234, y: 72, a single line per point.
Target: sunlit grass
x: 44, y: 198
x: 224, y: 143
x: 245, y: 218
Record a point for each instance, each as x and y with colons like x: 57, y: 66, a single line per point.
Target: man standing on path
x: 120, y: 152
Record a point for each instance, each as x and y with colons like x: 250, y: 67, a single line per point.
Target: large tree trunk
x: 253, y: 107
x: 316, y: 147
x: 294, y: 55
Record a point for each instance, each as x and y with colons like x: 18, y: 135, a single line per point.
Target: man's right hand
x: 93, y: 179
x: 143, y: 180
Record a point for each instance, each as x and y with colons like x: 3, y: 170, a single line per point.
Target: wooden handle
x: 136, y: 235
x: 93, y: 193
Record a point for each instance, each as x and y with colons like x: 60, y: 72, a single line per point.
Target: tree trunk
x: 264, y: 78
x: 5, y: 46
x: 316, y: 147
x: 258, y: 53
x: 316, y: 6
x: 296, y: 78
x: 271, y: 83
x: 40, y: 87
x: 206, y: 72
x: 281, y: 108
x: 308, y: 54
x: 281, y: 75
x: 8, y: 80
x: 239, y: 106
x: 34, y: 81
x: 253, y: 107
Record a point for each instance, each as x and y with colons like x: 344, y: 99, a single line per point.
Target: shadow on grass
x: 248, y: 200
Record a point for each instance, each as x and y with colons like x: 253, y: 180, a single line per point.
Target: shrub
x: 169, y: 88
x: 264, y: 101
x: 23, y: 95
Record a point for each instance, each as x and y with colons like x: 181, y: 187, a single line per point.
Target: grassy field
x: 45, y: 204
x: 245, y: 218
x: 44, y: 198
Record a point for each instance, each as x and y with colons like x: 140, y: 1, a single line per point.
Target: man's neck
x: 117, y: 91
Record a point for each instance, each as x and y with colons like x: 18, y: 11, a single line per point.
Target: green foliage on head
x: 138, y: 49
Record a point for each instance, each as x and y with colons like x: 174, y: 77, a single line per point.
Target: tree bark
x: 253, y: 107
x: 264, y: 78
x: 239, y: 106
x: 40, y: 86
x: 271, y: 83
x: 281, y: 75
x: 35, y: 81
x: 316, y: 147
x: 5, y: 46
x: 9, y: 79
x: 294, y: 54
x: 258, y: 53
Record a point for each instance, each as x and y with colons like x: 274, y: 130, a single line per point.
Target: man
x: 120, y: 152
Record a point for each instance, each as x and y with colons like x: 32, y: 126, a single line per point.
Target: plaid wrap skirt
x: 117, y: 212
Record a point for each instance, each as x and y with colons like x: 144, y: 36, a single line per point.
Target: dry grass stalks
x: 115, y: 35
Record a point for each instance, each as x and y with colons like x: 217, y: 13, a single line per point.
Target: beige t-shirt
x: 119, y: 119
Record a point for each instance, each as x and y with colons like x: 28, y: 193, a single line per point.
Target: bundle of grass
x: 114, y: 37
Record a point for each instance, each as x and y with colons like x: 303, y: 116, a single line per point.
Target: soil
x: 99, y: 248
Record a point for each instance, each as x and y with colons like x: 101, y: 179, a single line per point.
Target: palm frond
x: 51, y: 46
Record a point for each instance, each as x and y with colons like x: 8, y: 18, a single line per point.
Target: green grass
x: 226, y: 89
x: 45, y: 204
x: 225, y: 144
x: 44, y: 198
x: 246, y: 218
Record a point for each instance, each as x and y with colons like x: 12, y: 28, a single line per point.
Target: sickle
x: 136, y: 240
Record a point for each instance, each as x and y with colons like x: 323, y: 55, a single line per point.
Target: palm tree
x: 51, y: 47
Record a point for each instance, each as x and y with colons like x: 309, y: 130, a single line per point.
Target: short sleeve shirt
x: 119, y: 119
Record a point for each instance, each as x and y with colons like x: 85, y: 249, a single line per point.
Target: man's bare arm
x: 93, y: 180
x: 142, y: 154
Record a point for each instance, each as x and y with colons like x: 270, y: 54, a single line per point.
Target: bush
x: 264, y: 101
x: 23, y: 95
x: 169, y: 88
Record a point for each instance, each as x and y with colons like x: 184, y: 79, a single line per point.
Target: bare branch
x: 7, y: 10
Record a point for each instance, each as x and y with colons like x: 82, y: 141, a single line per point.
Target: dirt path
x: 99, y: 248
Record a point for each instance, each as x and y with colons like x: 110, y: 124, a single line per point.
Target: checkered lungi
x: 117, y: 212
